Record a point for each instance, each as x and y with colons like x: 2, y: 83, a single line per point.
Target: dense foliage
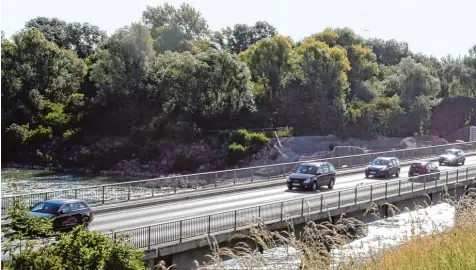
x: 171, y: 78
x: 29, y: 248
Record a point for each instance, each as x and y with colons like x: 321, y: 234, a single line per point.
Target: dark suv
x: 452, y: 157
x: 64, y: 212
x: 312, y: 175
x: 426, y: 170
x: 383, y: 166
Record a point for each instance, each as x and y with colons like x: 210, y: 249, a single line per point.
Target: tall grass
x: 453, y: 248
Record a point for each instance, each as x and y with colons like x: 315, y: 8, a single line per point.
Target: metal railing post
x: 148, y: 242
x: 252, y: 175
x: 153, y: 188
x: 466, y: 173
x: 282, y: 204
x: 180, y: 231
x: 386, y: 190
x: 302, y: 207
x: 412, y: 183
x: 322, y: 202
x: 129, y: 192
x: 457, y: 175
x: 209, y: 224
x: 76, y: 193
x: 259, y: 211
x: 399, y: 187
x: 446, y: 182
x: 235, y: 220
x: 234, y: 177
x: 371, y: 189
x: 355, y: 199
x: 104, y: 194
x: 338, y: 204
x: 216, y: 179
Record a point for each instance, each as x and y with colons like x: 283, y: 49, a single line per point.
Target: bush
x: 286, y: 132
x: 243, y: 143
x: 78, y: 249
x: 236, y: 152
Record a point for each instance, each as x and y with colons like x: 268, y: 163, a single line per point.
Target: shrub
x: 243, y: 143
x: 286, y: 132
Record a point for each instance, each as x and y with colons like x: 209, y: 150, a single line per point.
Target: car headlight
x: 307, y: 180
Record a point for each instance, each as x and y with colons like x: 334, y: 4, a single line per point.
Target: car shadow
x: 308, y: 191
x: 422, y: 179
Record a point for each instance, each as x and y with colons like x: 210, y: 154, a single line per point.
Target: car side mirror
x: 60, y: 212
x: 318, y: 173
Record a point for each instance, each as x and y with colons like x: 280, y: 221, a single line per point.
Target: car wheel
x: 386, y: 174
x: 85, y: 222
x: 314, y: 186
x: 290, y: 187
x: 331, y: 183
x: 397, y: 174
x: 366, y: 175
x: 462, y: 163
x: 440, y: 163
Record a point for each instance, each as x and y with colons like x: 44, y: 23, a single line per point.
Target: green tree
x: 273, y: 63
x: 35, y: 74
x: 325, y: 85
x: 121, y: 72
x: 242, y: 36
x: 174, y: 28
x: 83, y: 38
x: 417, y: 88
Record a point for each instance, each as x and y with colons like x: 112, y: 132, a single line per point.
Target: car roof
x: 315, y: 164
x: 387, y: 158
x: 421, y: 162
x: 61, y: 201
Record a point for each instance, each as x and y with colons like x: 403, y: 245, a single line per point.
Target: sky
x: 435, y: 27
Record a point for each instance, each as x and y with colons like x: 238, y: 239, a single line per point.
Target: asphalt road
x: 143, y: 216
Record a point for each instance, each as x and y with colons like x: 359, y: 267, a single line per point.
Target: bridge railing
x: 196, y: 227
x: 141, y: 189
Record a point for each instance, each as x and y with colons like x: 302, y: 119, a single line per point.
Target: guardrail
x: 141, y: 189
x: 177, y: 231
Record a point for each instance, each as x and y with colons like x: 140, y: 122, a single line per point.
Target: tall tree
x: 81, y: 38
x: 273, y: 63
x: 242, y: 36
x: 174, y: 28
x: 121, y: 72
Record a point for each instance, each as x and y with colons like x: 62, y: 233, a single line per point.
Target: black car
x: 452, y: 157
x: 383, y: 167
x: 425, y: 170
x: 312, y: 175
x: 65, y: 213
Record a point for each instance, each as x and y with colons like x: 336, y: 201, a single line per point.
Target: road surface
x: 143, y: 216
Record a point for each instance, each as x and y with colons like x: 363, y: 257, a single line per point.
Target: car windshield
x: 306, y: 169
x: 450, y: 152
x: 44, y: 207
x: 380, y: 162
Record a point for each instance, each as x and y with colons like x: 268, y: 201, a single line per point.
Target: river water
x: 19, y: 181
x: 382, y: 234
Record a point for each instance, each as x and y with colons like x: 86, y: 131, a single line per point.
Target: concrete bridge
x: 183, y: 241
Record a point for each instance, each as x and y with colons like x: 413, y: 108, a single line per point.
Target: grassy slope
x: 454, y: 249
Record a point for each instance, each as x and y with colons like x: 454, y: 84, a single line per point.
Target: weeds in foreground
x: 453, y: 248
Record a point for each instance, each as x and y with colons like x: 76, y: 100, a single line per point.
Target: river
x: 20, y: 181
x: 382, y: 234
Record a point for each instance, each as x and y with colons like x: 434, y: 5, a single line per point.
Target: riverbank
x: 441, y: 236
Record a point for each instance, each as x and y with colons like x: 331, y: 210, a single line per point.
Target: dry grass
x: 452, y: 249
